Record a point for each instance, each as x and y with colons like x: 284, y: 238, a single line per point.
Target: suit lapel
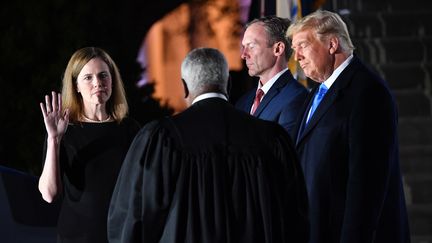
x: 247, y: 106
x: 332, y: 94
x: 323, y: 107
x: 273, y: 91
x: 305, y: 110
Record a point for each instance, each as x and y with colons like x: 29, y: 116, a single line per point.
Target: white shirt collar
x: 329, y: 82
x: 209, y: 95
x: 266, y: 87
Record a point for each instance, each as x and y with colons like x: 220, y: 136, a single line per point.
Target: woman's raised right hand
x: 56, y: 120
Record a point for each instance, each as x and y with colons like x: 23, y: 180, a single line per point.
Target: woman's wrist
x: 54, y: 139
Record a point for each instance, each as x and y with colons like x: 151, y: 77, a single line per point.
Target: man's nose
x: 243, y: 54
x: 297, y: 56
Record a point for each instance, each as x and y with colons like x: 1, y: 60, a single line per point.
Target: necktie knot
x: 322, y: 91
x: 318, y: 97
x: 258, y: 96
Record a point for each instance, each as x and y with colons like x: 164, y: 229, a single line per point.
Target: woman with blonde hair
x: 88, y: 135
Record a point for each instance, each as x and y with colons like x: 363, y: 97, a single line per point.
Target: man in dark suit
x: 266, y: 51
x: 211, y: 173
x: 348, y: 145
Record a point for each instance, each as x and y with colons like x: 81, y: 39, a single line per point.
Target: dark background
x: 37, y: 40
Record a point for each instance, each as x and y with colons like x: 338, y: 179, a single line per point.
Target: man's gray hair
x: 325, y: 24
x: 203, y: 68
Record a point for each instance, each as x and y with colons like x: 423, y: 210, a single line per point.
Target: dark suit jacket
x: 210, y: 174
x: 349, y: 155
x: 281, y: 104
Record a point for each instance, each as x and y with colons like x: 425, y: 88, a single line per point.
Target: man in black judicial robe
x: 211, y: 173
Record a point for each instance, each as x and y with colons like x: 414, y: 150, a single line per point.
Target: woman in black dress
x: 88, y: 135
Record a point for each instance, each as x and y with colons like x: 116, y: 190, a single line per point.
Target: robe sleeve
x: 140, y: 200
x: 292, y: 192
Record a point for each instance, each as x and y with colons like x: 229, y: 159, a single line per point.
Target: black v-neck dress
x: 91, y: 155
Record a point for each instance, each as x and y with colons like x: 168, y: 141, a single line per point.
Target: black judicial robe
x: 210, y: 174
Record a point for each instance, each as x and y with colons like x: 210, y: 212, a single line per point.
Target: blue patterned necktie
x: 318, y: 97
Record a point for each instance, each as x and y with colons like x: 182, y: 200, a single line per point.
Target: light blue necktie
x: 318, y: 97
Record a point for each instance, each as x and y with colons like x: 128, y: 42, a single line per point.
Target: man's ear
x: 334, y: 45
x: 186, y: 90
x: 279, y: 48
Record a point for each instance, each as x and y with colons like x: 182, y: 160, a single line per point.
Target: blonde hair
x: 116, y: 106
x: 325, y: 24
